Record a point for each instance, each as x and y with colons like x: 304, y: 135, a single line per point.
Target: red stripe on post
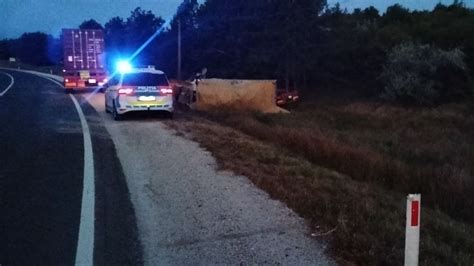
x: 415, y: 213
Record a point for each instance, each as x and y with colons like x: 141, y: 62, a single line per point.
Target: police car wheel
x: 115, y: 114
x: 107, y: 109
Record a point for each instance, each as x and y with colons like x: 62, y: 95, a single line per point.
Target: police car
x: 138, y: 89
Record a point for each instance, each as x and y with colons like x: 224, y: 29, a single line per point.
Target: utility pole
x: 179, y: 50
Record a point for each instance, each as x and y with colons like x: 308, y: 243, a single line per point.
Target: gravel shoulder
x: 190, y: 213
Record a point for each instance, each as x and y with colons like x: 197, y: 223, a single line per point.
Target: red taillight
x: 166, y: 91
x: 125, y: 91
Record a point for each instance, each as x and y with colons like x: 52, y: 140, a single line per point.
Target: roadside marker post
x: 412, y: 237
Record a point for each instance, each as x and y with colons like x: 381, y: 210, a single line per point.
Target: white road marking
x: 85, y: 243
x: 9, y: 86
x: 55, y: 81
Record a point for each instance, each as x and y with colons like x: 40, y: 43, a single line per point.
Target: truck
x: 84, y: 59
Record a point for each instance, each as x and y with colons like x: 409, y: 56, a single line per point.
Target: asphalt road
x: 143, y: 196
x: 41, y: 179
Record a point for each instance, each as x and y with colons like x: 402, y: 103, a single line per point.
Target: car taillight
x: 125, y: 91
x: 166, y: 91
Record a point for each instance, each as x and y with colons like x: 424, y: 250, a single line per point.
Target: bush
x: 424, y: 75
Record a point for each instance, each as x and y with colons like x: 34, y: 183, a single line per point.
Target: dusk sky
x: 382, y: 5
x: 50, y: 16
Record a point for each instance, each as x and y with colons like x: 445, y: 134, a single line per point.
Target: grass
x: 349, y: 167
x: 425, y: 151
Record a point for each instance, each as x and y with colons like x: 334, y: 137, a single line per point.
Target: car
x: 286, y: 97
x: 139, y: 90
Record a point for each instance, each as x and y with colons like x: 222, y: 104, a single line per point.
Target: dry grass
x: 425, y: 151
x: 297, y: 159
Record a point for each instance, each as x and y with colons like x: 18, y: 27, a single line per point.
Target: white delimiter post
x: 412, y: 238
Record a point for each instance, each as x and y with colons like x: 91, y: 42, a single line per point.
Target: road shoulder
x: 190, y: 213
x: 116, y: 237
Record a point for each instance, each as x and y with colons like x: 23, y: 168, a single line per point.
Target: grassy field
x: 347, y: 169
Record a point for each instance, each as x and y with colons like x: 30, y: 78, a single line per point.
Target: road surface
x: 41, y: 180
x: 156, y: 197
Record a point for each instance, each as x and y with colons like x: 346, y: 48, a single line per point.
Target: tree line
x: 304, y: 44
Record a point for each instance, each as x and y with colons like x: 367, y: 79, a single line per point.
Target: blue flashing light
x: 124, y: 67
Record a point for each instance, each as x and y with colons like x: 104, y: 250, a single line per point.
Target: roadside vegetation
x: 305, y: 44
x: 347, y: 168
x: 388, y: 100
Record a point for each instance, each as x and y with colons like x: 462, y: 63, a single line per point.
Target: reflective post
x: 412, y: 237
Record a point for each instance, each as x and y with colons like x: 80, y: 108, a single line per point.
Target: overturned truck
x: 230, y: 95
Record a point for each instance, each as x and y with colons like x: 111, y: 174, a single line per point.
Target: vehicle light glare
x: 124, y: 67
x: 125, y: 91
x: 166, y: 91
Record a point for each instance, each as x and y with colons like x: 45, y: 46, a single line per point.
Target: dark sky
x: 50, y: 16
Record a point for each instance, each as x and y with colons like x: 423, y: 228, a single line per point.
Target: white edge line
x: 55, y: 81
x: 85, y: 243
x: 9, y: 86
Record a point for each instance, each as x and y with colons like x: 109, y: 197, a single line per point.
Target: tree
x: 166, y: 49
x: 424, y: 75
x: 123, y: 38
x: 114, y: 35
x: 258, y: 39
x: 186, y: 14
x: 440, y: 8
x: 139, y: 27
x: 4, y: 51
x: 396, y: 13
x: 370, y: 13
x: 32, y: 48
x: 54, y: 50
x: 303, y: 42
x: 114, y: 32
x: 91, y: 24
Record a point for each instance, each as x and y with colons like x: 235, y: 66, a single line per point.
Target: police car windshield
x: 144, y: 79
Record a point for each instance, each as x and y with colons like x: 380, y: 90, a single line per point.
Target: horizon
x: 12, y: 29
x: 350, y: 5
